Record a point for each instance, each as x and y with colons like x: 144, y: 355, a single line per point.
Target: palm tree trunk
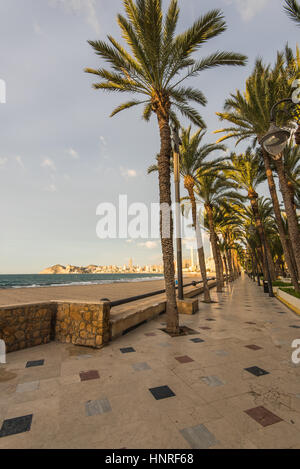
x: 221, y: 265
x: 229, y: 260
x: 253, y: 199
x: 290, y: 212
x: 280, y: 226
x: 201, y: 257
x: 271, y: 262
x: 226, y: 268
x: 214, y: 245
x: 166, y: 224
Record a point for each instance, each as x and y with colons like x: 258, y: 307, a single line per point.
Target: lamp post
x: 277, y: 138
x: 176, y: 158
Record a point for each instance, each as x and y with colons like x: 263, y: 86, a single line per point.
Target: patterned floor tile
x: 28, y: 387
x: 101, y: 406
x: 89, y: 375
x: 184, y: 359
x: 199, y: 437
x: 35, y: 363
x: 197, y: 340
x: 162, y: 392
x: 16, y: 425
x: 127, y: 350
x: 256, y: 371
x: 141, y: 367
x: 263, y: 416
x: 253, y: 347
x: 212, y: 381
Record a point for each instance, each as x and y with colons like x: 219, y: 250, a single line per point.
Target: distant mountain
x: 70, y: 269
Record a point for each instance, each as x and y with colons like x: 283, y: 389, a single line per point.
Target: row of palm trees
x: 154, y: 67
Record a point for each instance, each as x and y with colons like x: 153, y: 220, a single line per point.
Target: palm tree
x: 213, y: 189
x: 154, y: 70
x: 291, y: 157
x: 192, y: 164
x: 249, y: 114
x: 292, y: 8
x: 247, y: 169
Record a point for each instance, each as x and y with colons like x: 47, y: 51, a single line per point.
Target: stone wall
x: 26, y: 326
x: 83, y: 324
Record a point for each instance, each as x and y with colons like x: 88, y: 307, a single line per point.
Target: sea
x: 35, y: 281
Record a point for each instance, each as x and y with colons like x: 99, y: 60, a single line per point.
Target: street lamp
x: 176, y: 158
x: 277, y: 138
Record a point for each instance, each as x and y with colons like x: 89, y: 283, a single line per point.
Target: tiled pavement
x: 148, y: 390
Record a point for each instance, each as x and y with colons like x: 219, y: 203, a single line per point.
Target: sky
x: 60, y: 153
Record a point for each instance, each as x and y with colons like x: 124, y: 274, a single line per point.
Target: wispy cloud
x: 103, y: 140
x: 51, y: 188
x: 20, y: 161
x: 48, y: 164
x: 149, y: 244
x: 87, y: 8
x: 3, y: 162
x: 73, y: 153
x: 248, y: 9
x: 128, y: 173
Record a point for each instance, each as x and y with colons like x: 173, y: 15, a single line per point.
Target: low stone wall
x: 26, y: 326
x: 83, y: 324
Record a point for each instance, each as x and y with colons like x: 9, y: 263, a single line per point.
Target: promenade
x: 230, y: 384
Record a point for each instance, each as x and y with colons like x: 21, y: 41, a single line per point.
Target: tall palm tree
x: 248, y: 171
x: 213, y: 189
x: 155, y: 68
x: 193, y: 161
x: 291, y: 157
x: 249, y: 114
x: 192, y: 164
x: 292, y: 8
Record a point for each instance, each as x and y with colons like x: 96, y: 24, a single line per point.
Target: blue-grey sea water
x: 31, y: 281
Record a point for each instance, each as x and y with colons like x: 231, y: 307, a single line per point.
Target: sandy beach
x: 112, y: 291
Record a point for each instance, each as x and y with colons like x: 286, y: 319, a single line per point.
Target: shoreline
x: 85, y: 293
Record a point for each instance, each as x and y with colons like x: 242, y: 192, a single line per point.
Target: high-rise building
x: 130, y: 264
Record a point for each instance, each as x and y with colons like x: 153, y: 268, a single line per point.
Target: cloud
x: 128, y: 173
x: 20, y: 161
x: 73, y: 153
x: 149, y: 245
x: 248, y: 9
x: 87, y: 8
x: 3, y: 162
x: 103, y: 140
x: 49, y: 164
x: 51, y: 188
x: 37, y: 29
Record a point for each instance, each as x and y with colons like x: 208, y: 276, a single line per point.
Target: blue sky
x: 61, y: 155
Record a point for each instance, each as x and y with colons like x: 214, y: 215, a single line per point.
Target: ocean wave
x: 88, y: 282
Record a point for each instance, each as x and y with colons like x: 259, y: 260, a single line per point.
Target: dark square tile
x: 281, y: 312
x: 251, y: 323
x: 35, y: 363
x: 89, y: 375
x: 205, y: 328
x: 254, y: 347
x: 210, y: 319
x: 256, y: 371
x: 150, y: 334
x: 16, y: 426
x: 127, y: 350
x: 197, y: 341
x: 184, y: 359
x: 263, y: 416
x: 162, y: 392
x: 295, y: 327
